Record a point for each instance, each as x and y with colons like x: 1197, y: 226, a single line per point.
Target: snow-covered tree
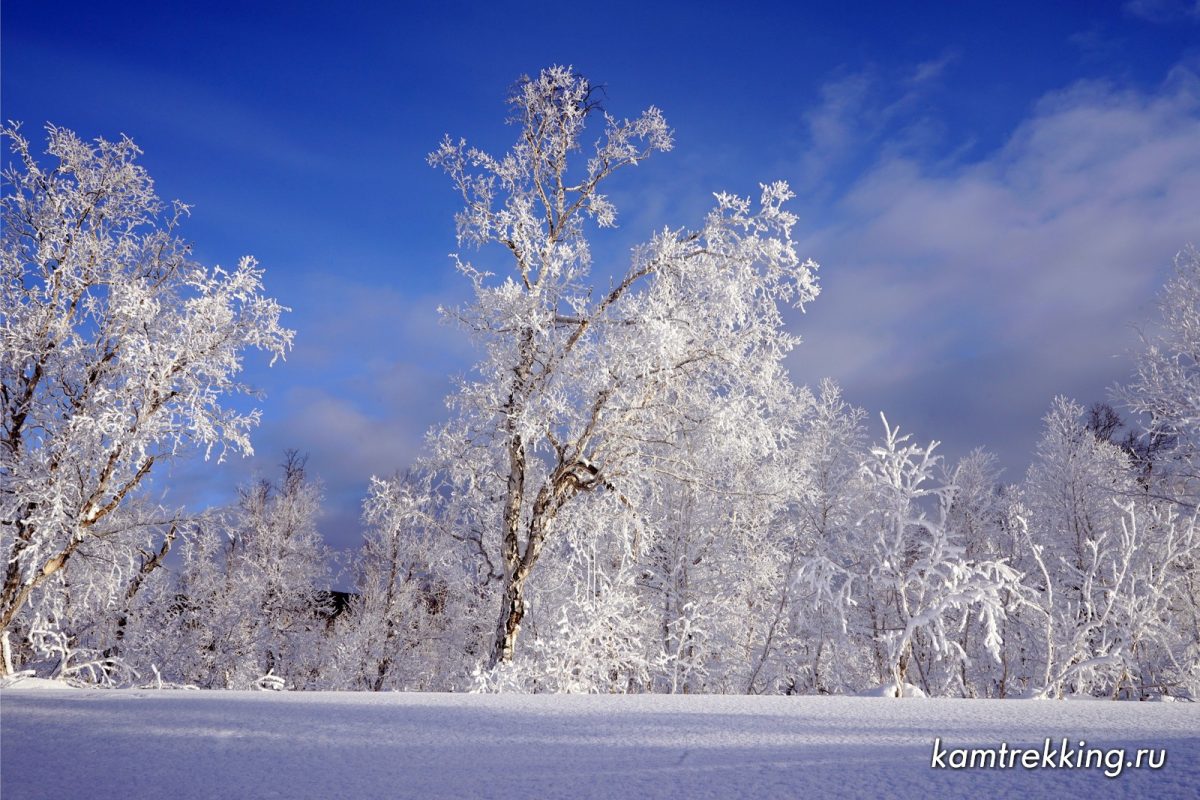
x: 1129, y: 629
x: 1111, y: 568
x: 917, y: 573
x: 579, y: 389
x: 590, y: 630
x: 252, y: 595
x: 978, y: 515
x: 1166, y: 387
x: 117, y: 353
x: 1070, y: 487
x: 406, y: 625
x: 83, y: 612
x: 824, y: 655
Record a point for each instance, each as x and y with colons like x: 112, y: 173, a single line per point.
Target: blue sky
x: 994, y: 191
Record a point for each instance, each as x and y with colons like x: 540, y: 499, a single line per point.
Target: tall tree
x: 117, y: 350
x: 578, y: 389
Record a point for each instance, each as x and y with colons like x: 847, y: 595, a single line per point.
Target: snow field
x: 218, y: 744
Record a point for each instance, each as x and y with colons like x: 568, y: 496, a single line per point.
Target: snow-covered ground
x: 180, y: 744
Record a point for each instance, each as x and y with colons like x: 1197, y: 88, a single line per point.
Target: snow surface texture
x: 174, y: 744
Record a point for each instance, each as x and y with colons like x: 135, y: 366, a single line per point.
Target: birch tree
x: 918, y: 573
x: 408, y: 625
x: 833, y: 448
x: 1166, y: 387
x: 251, y: 599
x: 576, y: 392
x: 1112, y: 568
x: 118, y: 352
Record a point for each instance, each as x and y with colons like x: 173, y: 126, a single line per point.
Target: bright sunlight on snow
x: 182, y: 745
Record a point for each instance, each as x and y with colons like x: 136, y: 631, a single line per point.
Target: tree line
x: 629, y: 494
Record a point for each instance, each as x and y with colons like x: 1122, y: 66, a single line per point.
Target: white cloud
x: 367, y: 379
x: 933, y: 69
x: 1034, y: 259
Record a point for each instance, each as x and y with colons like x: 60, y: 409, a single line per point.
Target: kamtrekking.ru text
x: 1052, y: 754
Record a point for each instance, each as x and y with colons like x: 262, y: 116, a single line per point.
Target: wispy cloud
x: 1023, y: 267
x: 933, y: 69
x: 183, y: 107
x: 1095, y: 44
x: 1164, y: 11
x: 862, y: 113
x: 367, y: 379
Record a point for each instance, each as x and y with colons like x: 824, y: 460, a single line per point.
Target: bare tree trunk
x: 780, y: 608
x: 963, y: 676
x: 148, y: 566
x: 816, y: 666
x: 512, y: 611
x: 6, y: 664
x: 559, y: 487
x: 17, y: 591
x: 382, y: 668
x: 512, y: 604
